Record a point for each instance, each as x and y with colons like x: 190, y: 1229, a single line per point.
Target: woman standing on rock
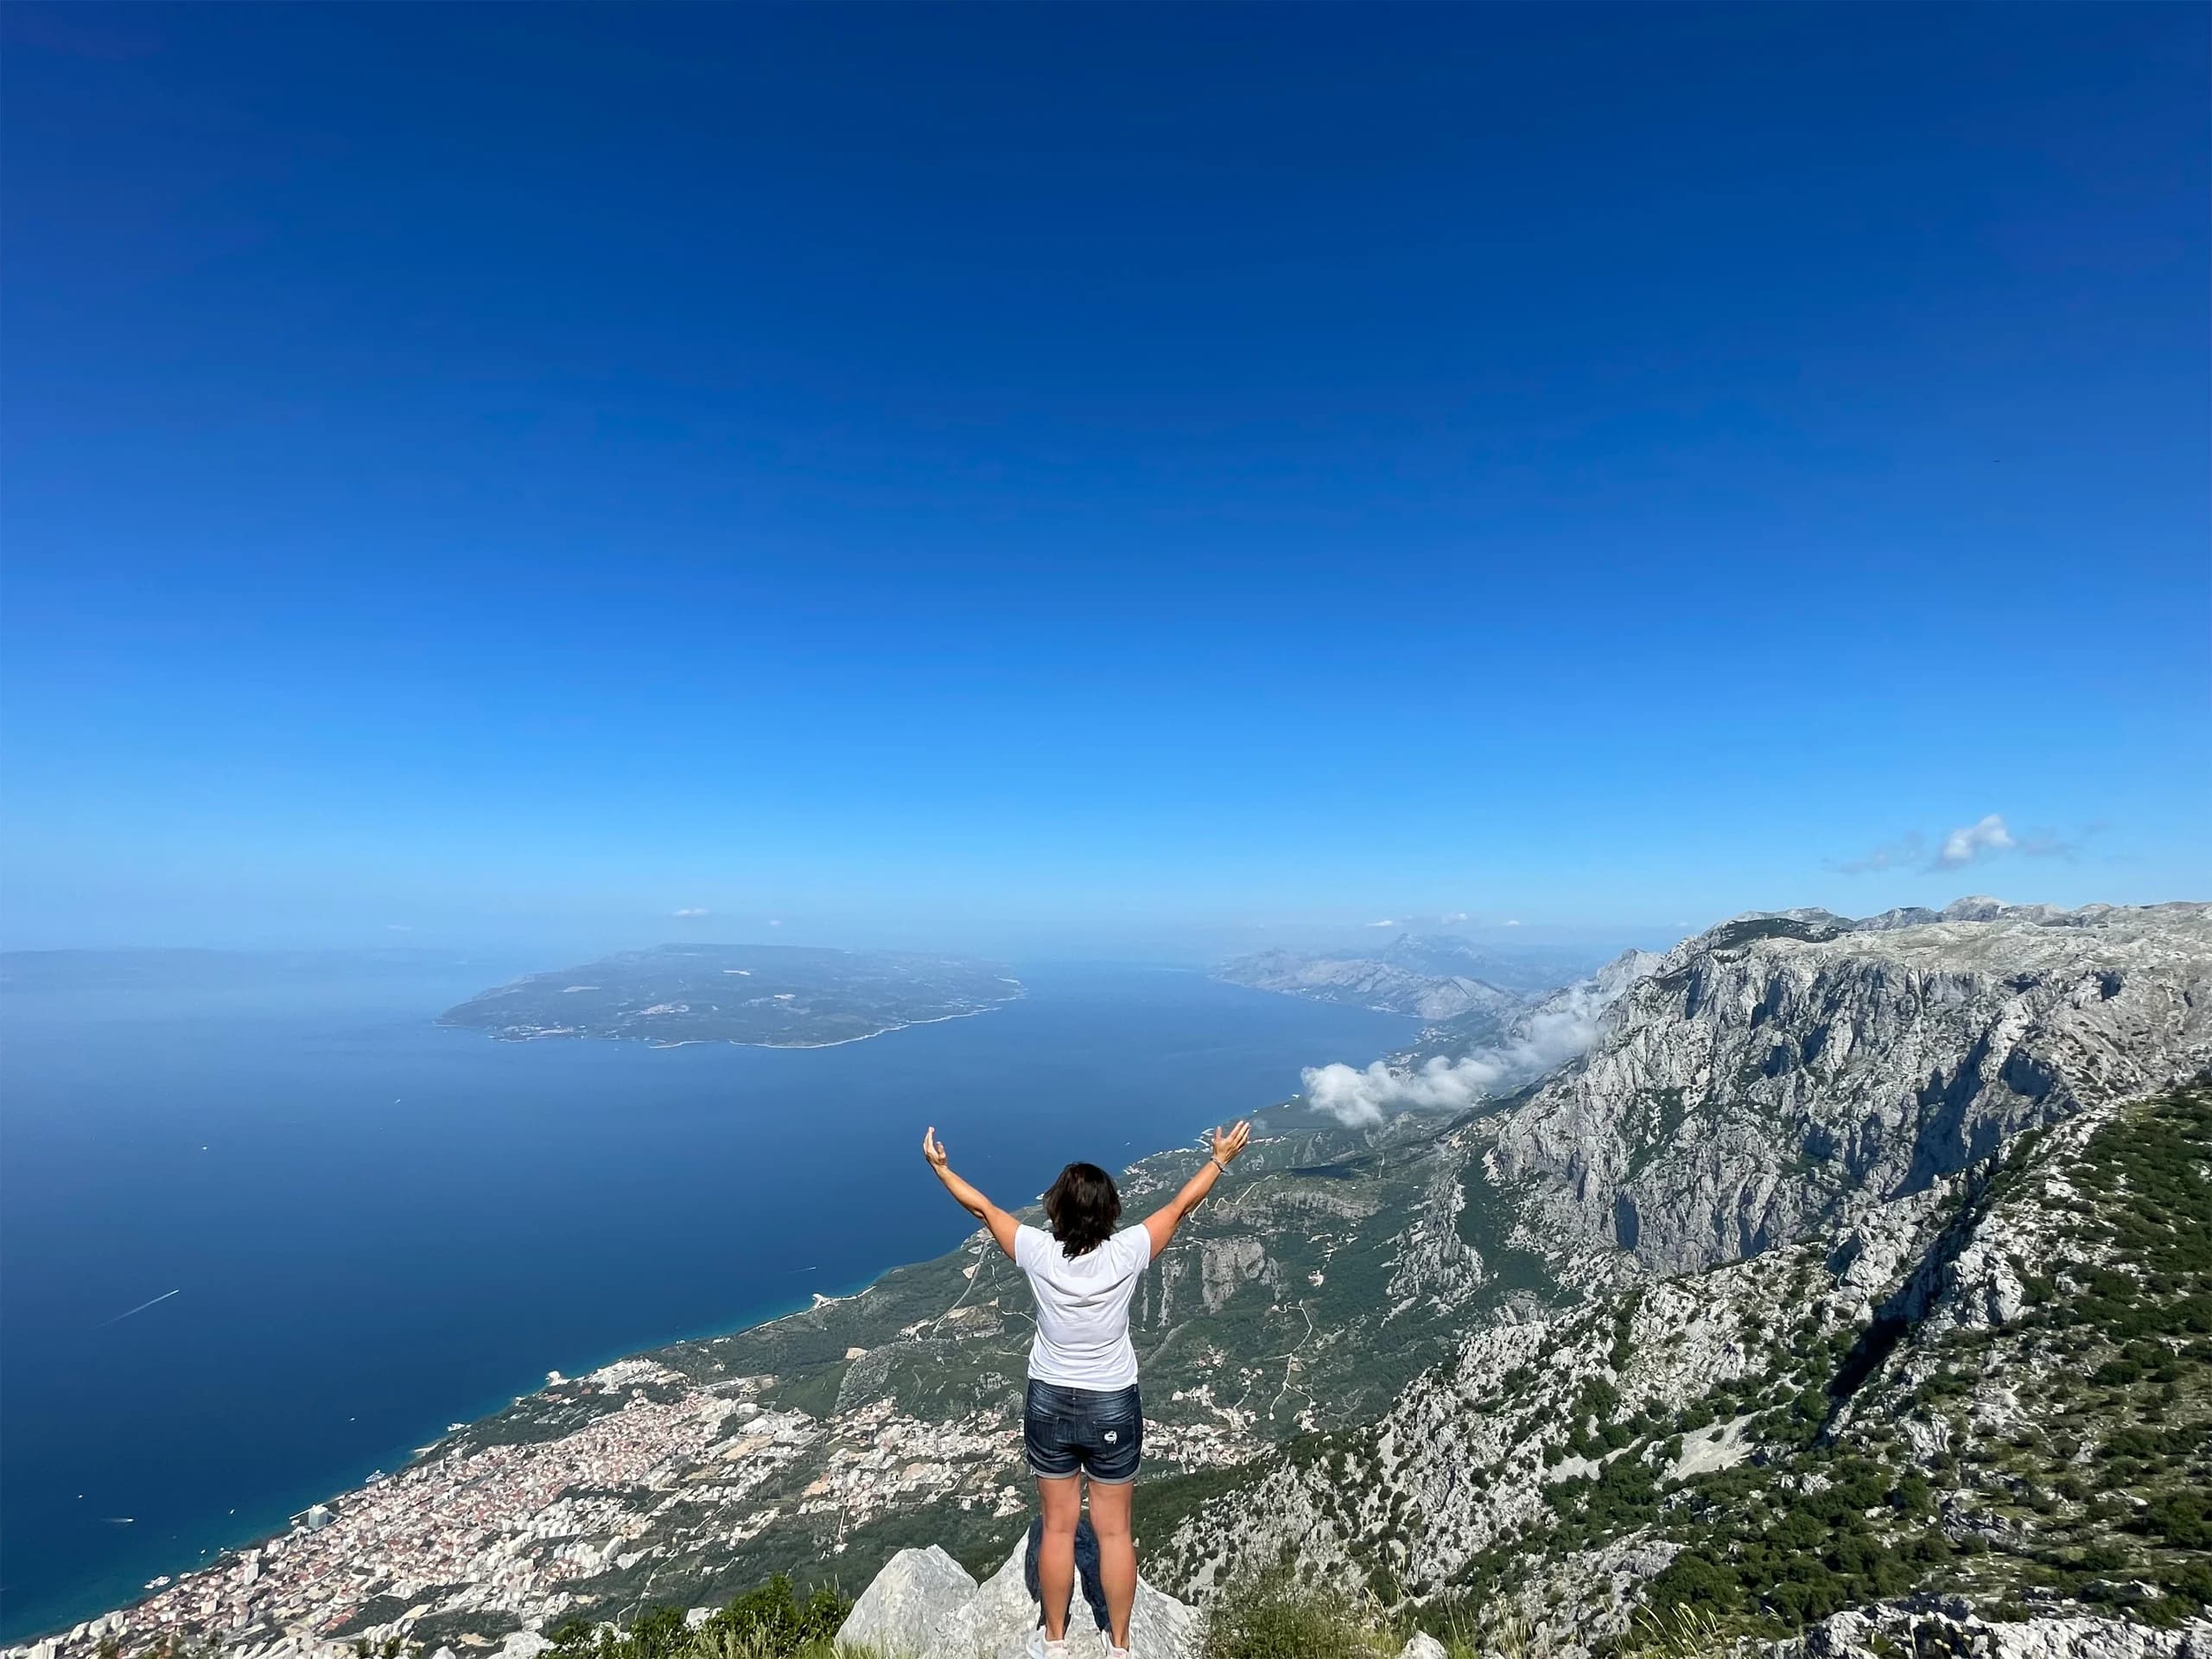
x: 1083, y: 1419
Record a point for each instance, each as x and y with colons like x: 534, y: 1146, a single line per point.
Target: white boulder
x: 923, y: 1605
x: 917, y: 1591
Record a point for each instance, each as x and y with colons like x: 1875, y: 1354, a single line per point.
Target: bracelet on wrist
x: 1219, y: 1165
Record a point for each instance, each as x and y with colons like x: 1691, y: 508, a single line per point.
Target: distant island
x: 774, y: 997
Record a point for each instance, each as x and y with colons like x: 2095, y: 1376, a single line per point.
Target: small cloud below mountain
x: 689, y: 913
x: 1561, y: 1028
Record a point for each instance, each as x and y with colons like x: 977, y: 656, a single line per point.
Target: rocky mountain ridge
x: 1777, y: 1069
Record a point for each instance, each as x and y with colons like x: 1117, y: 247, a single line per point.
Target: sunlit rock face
x: 1777, y: 1070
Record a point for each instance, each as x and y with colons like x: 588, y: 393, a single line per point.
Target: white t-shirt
x: 1083, y: 1307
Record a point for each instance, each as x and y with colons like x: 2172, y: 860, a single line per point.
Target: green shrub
x: 2183, y: 1519
x: 1275, y: 1618
x: 769, y: 1623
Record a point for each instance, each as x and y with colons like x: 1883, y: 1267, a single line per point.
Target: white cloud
x: 775, y: 921
x: 399, y: 927
x: 1988, y: 838
x: 1513, y: 924
x: 1452, y: 916
x: 1559, y: 1030
x: 688, y: 911
x: 1971, y: 842
x: 1385, y: 922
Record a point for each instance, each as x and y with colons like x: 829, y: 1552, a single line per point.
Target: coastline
x: 218, y: 1557
x: 739, y: 1042
x: 214, y: 1555
x: 773, y: 1300
x: 221, y: 1557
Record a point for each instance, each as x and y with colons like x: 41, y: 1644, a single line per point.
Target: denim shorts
x: 1075, y: 1431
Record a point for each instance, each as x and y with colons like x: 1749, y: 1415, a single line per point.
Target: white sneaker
x: 1113, y: 1652
x: 1040, y: 1649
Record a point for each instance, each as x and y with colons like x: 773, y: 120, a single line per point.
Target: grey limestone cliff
x: 1777, y: 1070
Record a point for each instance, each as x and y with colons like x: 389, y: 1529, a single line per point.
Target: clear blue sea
x: 375, y: 1228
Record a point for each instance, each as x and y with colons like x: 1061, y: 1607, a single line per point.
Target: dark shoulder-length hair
x: 1083, y: 1206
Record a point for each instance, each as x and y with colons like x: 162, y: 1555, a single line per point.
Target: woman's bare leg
x: 1061, y: 1503
x: 1117, y: 1553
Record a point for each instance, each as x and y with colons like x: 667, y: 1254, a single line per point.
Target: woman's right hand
x: 1227, y: 1142
x: 933, y: 1149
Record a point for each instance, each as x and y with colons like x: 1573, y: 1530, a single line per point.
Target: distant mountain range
x: 1846, y: 1282
x: 777, y: 996
x: 1431, y: 978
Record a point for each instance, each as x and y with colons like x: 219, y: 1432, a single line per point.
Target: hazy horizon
x: 1194, y: 947
x: 558, y: 945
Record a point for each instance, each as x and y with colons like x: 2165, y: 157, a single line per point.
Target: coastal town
x: 511, y: 1540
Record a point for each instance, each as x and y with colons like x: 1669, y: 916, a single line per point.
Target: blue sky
x: 1103, y: 474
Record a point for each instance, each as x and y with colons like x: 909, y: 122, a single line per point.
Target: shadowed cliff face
x: 1773, y: 1073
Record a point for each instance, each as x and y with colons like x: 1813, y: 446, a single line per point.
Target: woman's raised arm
x: 1162, y: 1223
x: 965, y: 1194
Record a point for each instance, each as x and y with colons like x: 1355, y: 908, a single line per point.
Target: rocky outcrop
x: 1778, y: 1070
x: 924, y: 1606
x: 1946, y: 1625
x: 1201, y: 1281
x: 917, y: 1591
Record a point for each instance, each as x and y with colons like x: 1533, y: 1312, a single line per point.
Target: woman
x: 1082, y: 1420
